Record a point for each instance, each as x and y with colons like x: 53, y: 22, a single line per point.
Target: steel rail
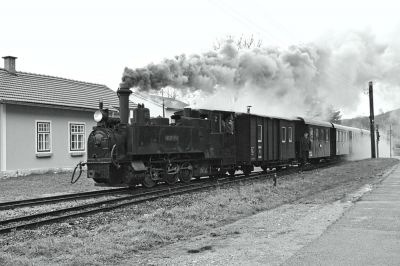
x: 136, y: 199
x: 65, y: 197
x: 130, y: 200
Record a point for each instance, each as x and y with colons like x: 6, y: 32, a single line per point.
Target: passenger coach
x: 264, y: 141
x: 320, y: 136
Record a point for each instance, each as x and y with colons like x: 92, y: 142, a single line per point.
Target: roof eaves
x: 65, y: 107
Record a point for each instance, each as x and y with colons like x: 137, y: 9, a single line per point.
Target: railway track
x: 59, y: 198
x: 34, y: 220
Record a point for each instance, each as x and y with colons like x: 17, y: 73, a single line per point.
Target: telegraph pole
x: 163, y: 104
x: 390, y: 140
x: 377, y: 141
x: 371, y: 118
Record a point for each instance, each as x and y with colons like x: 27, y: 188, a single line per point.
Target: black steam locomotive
x: 202, y: 143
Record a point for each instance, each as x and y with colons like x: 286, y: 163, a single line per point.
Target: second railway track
x: 34, y: 220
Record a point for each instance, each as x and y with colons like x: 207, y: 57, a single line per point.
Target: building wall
x: 3, y: 136
x: 21, y: 138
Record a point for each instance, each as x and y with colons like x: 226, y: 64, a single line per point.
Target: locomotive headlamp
x: 98, y: 116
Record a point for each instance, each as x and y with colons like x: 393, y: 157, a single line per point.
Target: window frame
x: 322, y: 135
x: 259, y: 133
x: 48, y: 152
x: 283, y: 134
x: 290, y: 134
x: 70, y: 123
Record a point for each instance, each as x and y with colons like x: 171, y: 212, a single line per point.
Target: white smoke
x: 308, y: 80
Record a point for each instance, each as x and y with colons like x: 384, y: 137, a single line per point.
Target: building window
x: 76, y: 137
x: 259, y: 133
x: 43, y: 136
x: 290, y: 134
x: 283, y: 134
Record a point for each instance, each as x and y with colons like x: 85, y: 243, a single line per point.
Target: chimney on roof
x: 9, y: 63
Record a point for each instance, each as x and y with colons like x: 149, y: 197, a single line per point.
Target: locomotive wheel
x: 231, y: 172
x: 246, y: 171
x: 186, y: 173
x: 148, y: 182
x: 171, y: 179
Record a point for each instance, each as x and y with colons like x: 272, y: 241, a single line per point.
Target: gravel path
x: 267, y: 238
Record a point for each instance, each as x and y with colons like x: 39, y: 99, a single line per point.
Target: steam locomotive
x: 203, y: 142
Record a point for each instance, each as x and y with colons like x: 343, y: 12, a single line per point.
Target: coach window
x: 259, y: 133
x: 321, y: 134
x: 326, y: 135
x: 283, y: 134
x: 43, y: 138
x: 311, y: 134
x: 76, y: 138
x: 290, y: 134
x: 316, y: 134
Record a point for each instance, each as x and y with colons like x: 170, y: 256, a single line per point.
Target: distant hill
x: 382, y: 120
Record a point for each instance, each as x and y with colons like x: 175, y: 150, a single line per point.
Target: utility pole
x: 163, y: 104
x: 390, y: 140
x: 377, y: 141
x: 371, y: 118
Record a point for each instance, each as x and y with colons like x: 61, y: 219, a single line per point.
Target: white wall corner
x: 3, y: 138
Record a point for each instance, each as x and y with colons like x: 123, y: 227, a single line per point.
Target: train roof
x: 350, y: 128
x: 269, y: 116
x: 315, y: 122
x: 345, y: 127
x: 251, y: 114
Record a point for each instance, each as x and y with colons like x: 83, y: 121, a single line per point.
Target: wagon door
x: 260, y: 139
x: 283, y: 141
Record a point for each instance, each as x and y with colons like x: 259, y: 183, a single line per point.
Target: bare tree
x: 241, y: 42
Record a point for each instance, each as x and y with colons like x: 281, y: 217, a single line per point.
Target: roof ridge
x: 56, y: 77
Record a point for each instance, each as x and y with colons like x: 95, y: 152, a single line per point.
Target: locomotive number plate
x: 173, y: 138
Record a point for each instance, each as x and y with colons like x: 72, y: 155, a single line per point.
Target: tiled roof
x: 31, y: 88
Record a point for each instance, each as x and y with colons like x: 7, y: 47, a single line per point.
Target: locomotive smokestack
x: 123, y: 94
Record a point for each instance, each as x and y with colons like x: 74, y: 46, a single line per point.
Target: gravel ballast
x: 138, y: 233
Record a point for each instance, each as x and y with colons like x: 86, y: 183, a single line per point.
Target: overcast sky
x: 94, y: 40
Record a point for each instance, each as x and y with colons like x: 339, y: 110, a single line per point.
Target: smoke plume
x: 310, y: 79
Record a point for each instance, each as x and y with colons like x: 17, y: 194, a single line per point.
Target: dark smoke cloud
x: 299, y: 80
